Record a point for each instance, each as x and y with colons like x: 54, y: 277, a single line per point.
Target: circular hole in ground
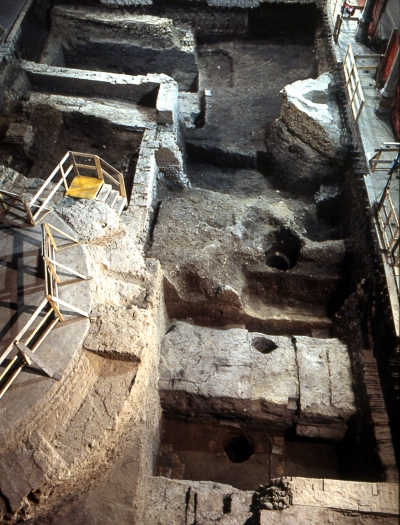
x: 277, y: 260
x: 238, y: 450
x: 263, y: 345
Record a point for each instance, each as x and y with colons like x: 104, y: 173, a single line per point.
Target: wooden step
x: 120, y: 204
x: 113, y: 196
x: 104, y: 192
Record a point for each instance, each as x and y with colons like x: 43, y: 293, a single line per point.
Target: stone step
x: 120, y: 204
x: 104, y: 192
x: 112, y: 197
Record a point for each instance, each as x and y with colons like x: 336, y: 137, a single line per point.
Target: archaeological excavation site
x: 199, y: 248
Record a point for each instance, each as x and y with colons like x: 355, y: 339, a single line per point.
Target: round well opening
x: 238, y: 450
x: 277, y: 260
x: 263, y: 345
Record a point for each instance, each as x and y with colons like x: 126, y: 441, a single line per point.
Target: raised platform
x: 22, y: 290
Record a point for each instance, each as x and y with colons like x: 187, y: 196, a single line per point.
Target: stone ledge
x: 381, y: 498
x: 90, y: 83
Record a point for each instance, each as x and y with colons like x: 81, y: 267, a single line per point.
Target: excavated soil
x: 245, y: 78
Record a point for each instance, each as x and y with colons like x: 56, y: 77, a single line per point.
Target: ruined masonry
x: 193, y: 323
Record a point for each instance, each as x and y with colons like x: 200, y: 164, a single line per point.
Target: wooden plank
x: 110, y: 177
x: 78, y: 154
x: 122, y: 189
x: 52, y: 300
x: 48, y: 198
x: 48, y: 231
x: 63, y: 177
x: 45, y: 334
x: 35, y: 314
x: 8, y: 367
x: 46, y: 182
x: 74, y: 272
x: 34, y: 348
x: 33, y: 358
x: 40, y: 325
x: 359, y: 111
x: 10, y: 381
x: 86, y: 167
x: 336, y: 31
x: 98, y: 167
x: 76, y: 241
x: 72, y: 158
x: 85, y: 187
x: 29, y: 213
x: 52, y: 269
x: 73, y: 308
x: 108, y: 166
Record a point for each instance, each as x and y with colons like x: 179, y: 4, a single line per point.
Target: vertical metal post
x: 389, y: 89
x: 365, y: 20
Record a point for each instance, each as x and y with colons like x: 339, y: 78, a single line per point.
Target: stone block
x: 326, y: 395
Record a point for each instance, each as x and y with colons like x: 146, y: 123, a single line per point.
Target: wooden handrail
x: 353, y: 84
x: 48, y: 180
x: 389, y: 227
x: 100, y: 166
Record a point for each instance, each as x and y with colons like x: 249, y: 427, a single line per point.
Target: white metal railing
x: 353, y: 84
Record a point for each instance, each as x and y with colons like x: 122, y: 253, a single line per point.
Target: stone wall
x: 244, y: 4
x: 53, y: 79
x: 270, y: 381
x: 312, y: 501
x: 135, y: 44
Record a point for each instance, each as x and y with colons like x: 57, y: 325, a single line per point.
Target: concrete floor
x: 21, y: 291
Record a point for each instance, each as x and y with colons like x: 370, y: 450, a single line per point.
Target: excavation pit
x: 70, y: 131
x: 245, y: 247
x: 243, y: 458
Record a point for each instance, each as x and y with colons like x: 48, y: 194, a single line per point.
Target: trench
x: 237, y: 228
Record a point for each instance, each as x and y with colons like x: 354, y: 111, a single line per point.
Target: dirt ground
x: 245, y: 77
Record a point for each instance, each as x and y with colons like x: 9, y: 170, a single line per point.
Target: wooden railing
x: 339, y: 14
x: 66, y: 169
x: 390, y: 232
x: 48, y: 312
x: 378, y: 164
x: 353, y: 84
x: 101, y: 167
x: 45, y: 326
x: 51, y: 265
x: 11, y: 202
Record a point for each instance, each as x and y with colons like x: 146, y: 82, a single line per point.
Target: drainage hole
x: 238, y: 450
x: 263, y: 345
x: 277, y: 260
